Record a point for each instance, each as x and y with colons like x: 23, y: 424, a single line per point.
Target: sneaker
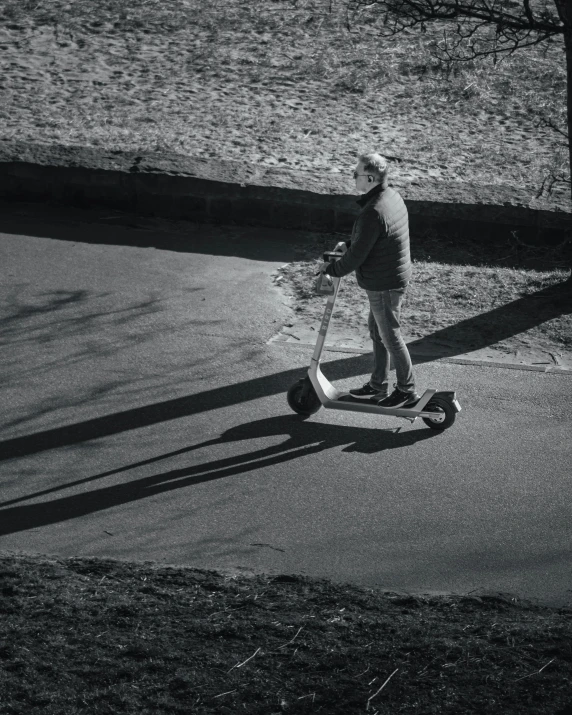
x: 367, y: 393
x: 400, y: 399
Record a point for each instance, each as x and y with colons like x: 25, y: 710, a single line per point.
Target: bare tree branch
x: 496, y: 13
x: 547, y: 122
x: 484, y: 27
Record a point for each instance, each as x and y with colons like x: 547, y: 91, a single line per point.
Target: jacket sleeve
x: 368, y: 229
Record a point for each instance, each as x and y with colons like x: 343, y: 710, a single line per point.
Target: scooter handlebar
x: 330, y: 256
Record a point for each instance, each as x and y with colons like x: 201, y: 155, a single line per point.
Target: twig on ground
x: 536, y: 672
x: 311, y: 695
x: 293, y: 639
x: 244, y: 662
x: 228, y: 692
x: 382, y: 687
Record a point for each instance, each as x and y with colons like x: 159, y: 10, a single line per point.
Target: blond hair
x: 375, y: 164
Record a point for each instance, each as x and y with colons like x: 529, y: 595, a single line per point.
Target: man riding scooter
x: 378, y: 252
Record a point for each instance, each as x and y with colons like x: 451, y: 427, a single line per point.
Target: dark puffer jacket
x: 379, y: 247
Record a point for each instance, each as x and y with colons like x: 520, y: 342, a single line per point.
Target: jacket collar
x: 364, y: 198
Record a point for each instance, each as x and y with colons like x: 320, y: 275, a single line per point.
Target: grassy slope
x: 90, y: 636
x: 275, y: 82
x: 454, y: 280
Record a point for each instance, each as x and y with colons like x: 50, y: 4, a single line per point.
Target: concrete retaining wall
x: 222, y: 191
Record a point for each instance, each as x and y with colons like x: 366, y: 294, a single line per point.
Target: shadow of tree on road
x: 89, y: 323
x: 164, y: 411
x: 303, y: 439
x: 47, y: 335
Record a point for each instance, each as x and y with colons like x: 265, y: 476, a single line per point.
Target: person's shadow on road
x: 303, y: 439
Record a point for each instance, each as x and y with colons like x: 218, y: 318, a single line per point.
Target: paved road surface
x: 144, y: 417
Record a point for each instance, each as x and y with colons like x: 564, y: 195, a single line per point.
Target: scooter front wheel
x: 303, y: 399
x: 444, y: 414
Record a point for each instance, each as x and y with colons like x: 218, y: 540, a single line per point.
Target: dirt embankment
x: 289, y: 85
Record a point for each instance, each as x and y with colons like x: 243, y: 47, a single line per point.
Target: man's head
x: 371, y: 170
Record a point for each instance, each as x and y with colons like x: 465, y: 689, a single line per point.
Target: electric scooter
x: 306, y: 396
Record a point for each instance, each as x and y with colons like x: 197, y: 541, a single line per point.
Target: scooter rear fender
x: 451, y: 397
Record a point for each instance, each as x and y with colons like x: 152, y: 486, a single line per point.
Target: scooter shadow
x: 302, y: 432
x: 304, y: 438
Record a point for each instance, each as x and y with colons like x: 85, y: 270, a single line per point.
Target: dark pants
x: 385, y: 332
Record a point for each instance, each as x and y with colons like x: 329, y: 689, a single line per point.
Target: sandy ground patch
x: 275, y: 86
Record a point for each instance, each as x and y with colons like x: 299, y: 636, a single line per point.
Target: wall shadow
x: 454, y: 248
x: 114, y: 228
x: 303, y: 439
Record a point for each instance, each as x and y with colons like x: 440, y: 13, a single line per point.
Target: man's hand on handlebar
x: 340, y: 248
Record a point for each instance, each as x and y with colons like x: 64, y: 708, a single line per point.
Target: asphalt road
x: 144, y: 417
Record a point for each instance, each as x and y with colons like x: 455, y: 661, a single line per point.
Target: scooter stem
x: 329, y: 309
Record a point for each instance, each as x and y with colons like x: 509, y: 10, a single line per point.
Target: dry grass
x: 275, y: 83
x: 473, y: 297
x: 91, y: 636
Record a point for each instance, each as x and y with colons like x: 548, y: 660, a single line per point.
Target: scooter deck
x: 411, y: 411
x: 333, y: 399
x: 347, y: 402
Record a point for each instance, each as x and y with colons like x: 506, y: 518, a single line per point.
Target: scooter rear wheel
x: 303, y: 399
x: 444, y: 414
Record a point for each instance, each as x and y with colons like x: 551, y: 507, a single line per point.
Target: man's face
x: 361, y: 179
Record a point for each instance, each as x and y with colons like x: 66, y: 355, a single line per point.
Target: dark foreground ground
x: 99, y: 636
